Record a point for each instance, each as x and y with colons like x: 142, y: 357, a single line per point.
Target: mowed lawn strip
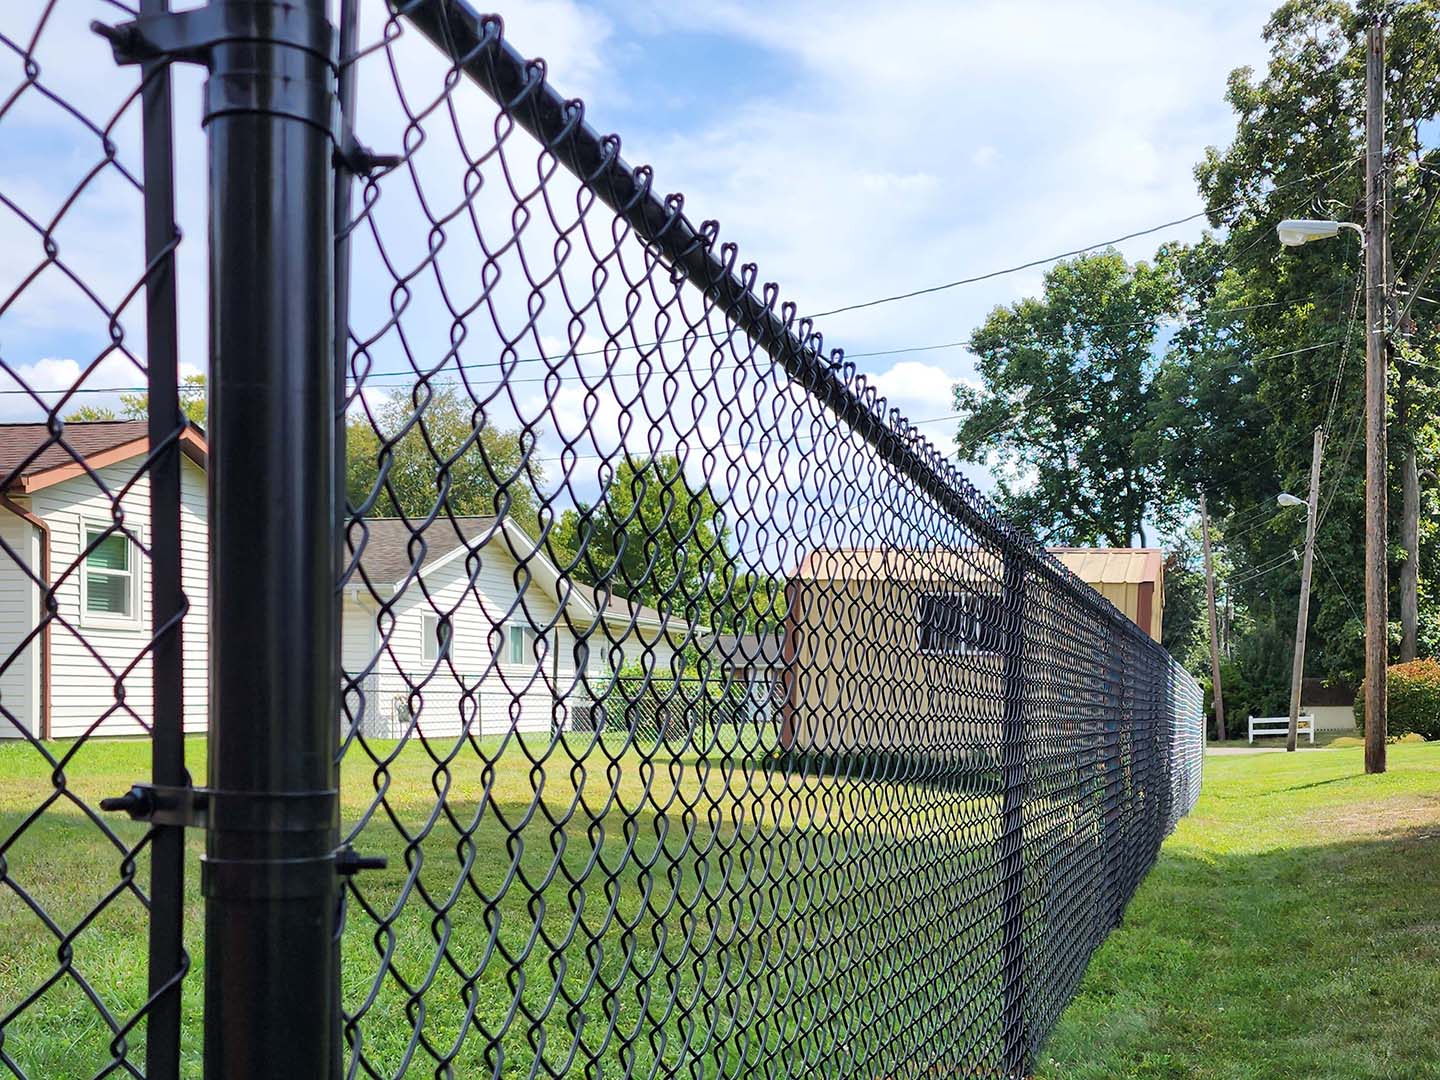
x: 713, y: 881
x: 1290, y: 929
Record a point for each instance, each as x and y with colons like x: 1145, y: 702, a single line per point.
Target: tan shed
x: 890, y: 649
x: 1133, y: 579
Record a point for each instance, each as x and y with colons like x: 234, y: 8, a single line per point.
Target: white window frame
x: 431, y: 649
x: 970, y: 635
x: 99, y: 619
x: 527, y: 638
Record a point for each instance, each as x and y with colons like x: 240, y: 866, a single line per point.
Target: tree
x: 137, y: 406
x: 1066, y: 402
x: 431, y: 451
x: 655, y: 537
x: 1279, y: 350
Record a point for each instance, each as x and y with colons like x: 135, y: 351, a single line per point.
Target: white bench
x: 1280, y: 725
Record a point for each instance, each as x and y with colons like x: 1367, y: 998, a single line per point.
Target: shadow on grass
x: 1321, y: 962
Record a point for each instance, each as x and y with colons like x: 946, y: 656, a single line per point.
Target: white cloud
x: 1041, y: 127
x: 917, y: 389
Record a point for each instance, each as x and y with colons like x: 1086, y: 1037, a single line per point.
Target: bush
x: 1256, y: 682
x: 1414, y: 700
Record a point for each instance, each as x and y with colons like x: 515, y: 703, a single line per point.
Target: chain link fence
x: 666, y: 703
x: 788, y: 756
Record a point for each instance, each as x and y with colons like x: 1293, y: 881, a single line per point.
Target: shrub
x: 1414, y: 700
x: 1256, y: 681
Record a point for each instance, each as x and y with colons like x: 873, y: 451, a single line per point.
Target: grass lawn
x: 1290, y: 929
x: 716, y: 919
x: 1247, y: 953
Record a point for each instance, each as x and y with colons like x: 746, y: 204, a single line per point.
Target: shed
x: 1133, y: 579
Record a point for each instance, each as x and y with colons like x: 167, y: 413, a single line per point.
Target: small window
x: 958, y: 623
x: 109, y: 583
x: 522, y: 640
x: 435, y: 636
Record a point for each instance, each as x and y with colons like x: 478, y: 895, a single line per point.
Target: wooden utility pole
x: 1376, y: 583
x: 1217, y: 693
x: 1297, y: 672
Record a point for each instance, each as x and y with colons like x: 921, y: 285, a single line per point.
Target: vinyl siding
x: 100, y: 673
x: 480, y: 689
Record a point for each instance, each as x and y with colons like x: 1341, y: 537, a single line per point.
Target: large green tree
x: 651, y: 535
x: 1066, y: 400
x: 1278, y: 348
x: 431, y: 451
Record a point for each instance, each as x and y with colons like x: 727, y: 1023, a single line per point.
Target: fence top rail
x: 476, y: 46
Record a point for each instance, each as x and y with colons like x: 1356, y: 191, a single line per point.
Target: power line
x: 1319, y: 550
x: 1068, y: 254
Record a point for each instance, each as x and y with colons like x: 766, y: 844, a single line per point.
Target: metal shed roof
x: 1113, y: 566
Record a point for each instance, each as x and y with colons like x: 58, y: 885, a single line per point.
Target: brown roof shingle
x: 387, y: 555
x: 26, y: 449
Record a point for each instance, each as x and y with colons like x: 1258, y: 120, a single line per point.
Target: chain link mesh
x: 83, y: 532
x: 713, y: 724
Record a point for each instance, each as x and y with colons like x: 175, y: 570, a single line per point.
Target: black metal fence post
x: 1012, y: 822
x: 167, y: 958
x: 271, y: 987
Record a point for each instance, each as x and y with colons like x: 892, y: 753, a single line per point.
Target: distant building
x: 1133, y: 579
x: 889, y: 649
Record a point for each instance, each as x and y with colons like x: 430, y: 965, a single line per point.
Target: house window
x: 435, y: 636
x: 958, y: 623
x: 522, y: 644
x: 110, y: 584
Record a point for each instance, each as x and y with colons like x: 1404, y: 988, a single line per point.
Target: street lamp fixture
x: 1296, y: 231
x: 1286, y: 499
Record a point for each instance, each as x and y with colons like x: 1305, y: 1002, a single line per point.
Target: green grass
x: 1290, y: 929
x: 671, y: 933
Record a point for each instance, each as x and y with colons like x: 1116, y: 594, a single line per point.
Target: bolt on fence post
x: 271, y: 984
x: 1012, y: 820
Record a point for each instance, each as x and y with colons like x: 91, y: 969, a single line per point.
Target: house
x: 75, y: 516
x: 453, y: 630
x: 889, y: 649
x: 755, y: 666
x: 473, y: 628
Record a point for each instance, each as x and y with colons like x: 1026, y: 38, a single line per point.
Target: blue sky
x: 857, y: 150
x: 852, y: 150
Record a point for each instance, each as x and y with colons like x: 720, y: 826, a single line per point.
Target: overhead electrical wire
x: 1031, y: 264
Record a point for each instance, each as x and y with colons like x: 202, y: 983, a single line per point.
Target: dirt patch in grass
x: 1417, y: 815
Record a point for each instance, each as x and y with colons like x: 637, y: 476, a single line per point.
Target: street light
x: 1286, y: 499
x: 1296, y: 231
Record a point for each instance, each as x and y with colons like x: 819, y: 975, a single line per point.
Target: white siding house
x: 454, y: 634
x: 476, y: 631
x: 75, y: 514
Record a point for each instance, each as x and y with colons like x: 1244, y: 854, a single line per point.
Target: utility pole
x: 1297, y: 673
x: 1376, y: 583
x: 1214, y: 625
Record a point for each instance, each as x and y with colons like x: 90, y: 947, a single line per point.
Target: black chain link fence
x: 716, y: 726
x: 712, y: 724
x: 96, y: 503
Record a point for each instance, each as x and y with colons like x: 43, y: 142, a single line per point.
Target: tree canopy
x: 1066, y: 400
x: 137, y: 406
x: 1124, y: 392
x: 430, y: 451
